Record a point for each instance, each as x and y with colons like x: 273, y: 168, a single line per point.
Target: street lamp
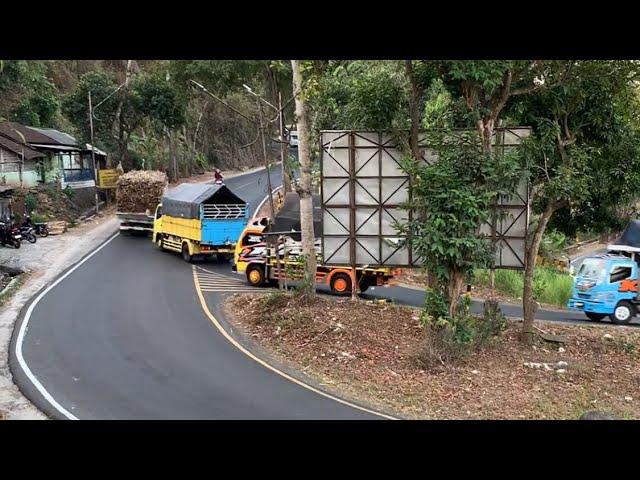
x: 92, y: 110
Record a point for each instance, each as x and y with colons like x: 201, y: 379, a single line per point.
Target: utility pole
x: 266, y: 161
x: 93, y: 153
x: 284, y: 154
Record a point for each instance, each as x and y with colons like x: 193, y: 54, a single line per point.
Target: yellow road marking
x: 233, y: 341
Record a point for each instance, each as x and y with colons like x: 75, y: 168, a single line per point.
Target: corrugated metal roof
x: 19, y: 148
x: 58, y: 137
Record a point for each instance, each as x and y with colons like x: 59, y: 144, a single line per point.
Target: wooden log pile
x: 57, y: 228
x: 140, y: 190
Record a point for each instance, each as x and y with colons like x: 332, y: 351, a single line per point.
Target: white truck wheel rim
x: 622, y: 313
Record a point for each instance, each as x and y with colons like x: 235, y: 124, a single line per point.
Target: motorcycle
x: 10, y: 235
x: 40, y: 229
x: 28, y: 233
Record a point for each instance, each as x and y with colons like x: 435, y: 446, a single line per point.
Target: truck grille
x: 584, y: 295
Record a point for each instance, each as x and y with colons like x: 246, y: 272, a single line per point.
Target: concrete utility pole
x: 266, y: 161
x: 284, y: 154
x: 93, y: 154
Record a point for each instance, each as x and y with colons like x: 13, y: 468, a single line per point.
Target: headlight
x: 604, y: 297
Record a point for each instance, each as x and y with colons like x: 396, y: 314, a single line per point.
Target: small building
x: 32, y: 156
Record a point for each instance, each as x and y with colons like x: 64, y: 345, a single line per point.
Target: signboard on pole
x: 108, y: 178
x: 363, y: 189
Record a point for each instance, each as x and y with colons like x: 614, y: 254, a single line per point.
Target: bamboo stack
x: 140, y: 190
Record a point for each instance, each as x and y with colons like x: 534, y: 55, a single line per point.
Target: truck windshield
x: 591, y: 268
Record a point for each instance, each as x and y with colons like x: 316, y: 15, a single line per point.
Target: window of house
x: 619, y: 273
x: 70, y: 161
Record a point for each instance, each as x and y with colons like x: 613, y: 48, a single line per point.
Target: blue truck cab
x: 606, y: 285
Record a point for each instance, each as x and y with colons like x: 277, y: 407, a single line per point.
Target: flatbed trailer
x: 274, y: 269
x: 137, y: 222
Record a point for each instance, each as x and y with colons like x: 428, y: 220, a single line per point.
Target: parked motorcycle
x: 40, y: 229
x: 10, y: 235
x: 28, y: 233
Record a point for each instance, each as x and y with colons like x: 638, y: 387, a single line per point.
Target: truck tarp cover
x: 631, y: 235
x: 288, y: 218
x: 184, y: 201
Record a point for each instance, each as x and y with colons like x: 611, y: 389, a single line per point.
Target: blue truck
x: 607, y: 284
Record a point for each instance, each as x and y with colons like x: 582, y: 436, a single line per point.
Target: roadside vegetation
x: 382, y: 355
x: 550, y: 286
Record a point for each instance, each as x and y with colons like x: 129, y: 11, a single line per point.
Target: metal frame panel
x: 363, y: 186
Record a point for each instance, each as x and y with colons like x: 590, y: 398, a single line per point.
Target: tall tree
x: 581, y: 129
x: 304, y: 186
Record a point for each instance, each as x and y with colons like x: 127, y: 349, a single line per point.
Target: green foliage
x: 358, y: 95
x: 157, y: 99
x: 449, y: 340
x: 553, y: 243
x: 438, y: 108
x: 30, y: 202
x: 69, y: 192
x: 28, y: 96
x: 550, y: 286
x: 75, y: 106
x: 585, y: 151
x: 451, y: 199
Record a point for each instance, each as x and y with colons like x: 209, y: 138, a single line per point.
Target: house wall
x: 10, y: 169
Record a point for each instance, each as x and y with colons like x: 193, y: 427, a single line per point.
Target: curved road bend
x: 124, y: 336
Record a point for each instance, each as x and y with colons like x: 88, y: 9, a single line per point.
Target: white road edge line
x: 25, y: 323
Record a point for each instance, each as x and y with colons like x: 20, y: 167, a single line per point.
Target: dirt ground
x: 371, y: 352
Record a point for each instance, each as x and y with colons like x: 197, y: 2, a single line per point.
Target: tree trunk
x: 304, y: 188
x: 528, y: 302
x: 415, y: 98
x: 454, y: 290
x: 118, y: 121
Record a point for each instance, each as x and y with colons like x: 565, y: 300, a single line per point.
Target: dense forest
x: 156, y: 118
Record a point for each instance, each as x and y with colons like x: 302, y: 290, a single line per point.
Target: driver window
x: 251, y: 239
x: 158, y: 212
x: 619, y: 273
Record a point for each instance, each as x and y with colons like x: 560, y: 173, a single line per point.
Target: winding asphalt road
x: 125, y: 336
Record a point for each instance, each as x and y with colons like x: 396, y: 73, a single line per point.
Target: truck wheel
x: 159, y: 242
x: 341, y: 283
x: 623, y: 313
x: 185, y: 253
x: 255, y: 275
x: 596, y: 317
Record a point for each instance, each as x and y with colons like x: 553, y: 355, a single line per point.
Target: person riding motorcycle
x: 217, y: 175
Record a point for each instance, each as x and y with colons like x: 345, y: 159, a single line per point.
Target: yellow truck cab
x: 249, y: 244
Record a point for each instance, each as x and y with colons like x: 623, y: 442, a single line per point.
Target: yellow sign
x: 108, y: 178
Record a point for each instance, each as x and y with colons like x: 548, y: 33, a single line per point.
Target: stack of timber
x: 57, y: 228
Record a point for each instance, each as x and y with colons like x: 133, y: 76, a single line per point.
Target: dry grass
x: 371, y: 352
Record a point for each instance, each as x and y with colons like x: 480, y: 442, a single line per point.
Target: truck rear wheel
x: 341, y: 284
x: 255, y: 275
x: 623, y: 313
x: 187, y: 257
